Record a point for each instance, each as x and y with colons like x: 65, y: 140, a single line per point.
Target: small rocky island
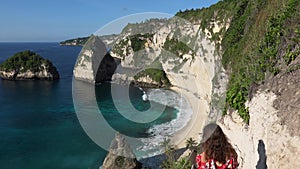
x: 28, y: 65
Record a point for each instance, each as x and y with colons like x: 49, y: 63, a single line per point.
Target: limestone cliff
x: 272, y: 137
x: 28, y: 65
x: 266, y: 141
x: 94, y: 64
x: 259, y: 49
x: 262, y: 97
x: 170, y: 49
x: 239, y: 60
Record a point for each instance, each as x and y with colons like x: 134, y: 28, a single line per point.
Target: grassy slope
x: 262, y: 40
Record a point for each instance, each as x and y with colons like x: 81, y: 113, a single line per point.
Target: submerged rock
x: 28, y: 65
x: 120, y: 155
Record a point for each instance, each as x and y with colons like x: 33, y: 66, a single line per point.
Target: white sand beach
x: 196, y: 123
x: 195, y: 86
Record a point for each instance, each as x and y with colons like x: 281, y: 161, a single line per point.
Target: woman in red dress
x: 217, y: 153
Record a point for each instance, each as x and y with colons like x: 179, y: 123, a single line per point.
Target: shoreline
x: 164, y: 130
x: 194, y: 127
x: 195, y: 86
x: 194, y: 83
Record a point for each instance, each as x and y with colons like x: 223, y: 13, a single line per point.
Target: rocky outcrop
x: 94, y: 64
x: 271, y: 140
x: 147, y: 81
x: 120, y: 155
x: 48, y: 73
x: 28, y: 65
x: 265, y: 141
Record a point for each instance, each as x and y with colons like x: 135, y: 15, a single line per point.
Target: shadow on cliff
x: 106, y: 68
x: 262, y: 162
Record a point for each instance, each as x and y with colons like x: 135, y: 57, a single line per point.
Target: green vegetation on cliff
x: 156, y: 75
x: 23, y: 61
x: 147, y: 26
x: 177, y: 47
x: 221, y: 12
x: 138, y: 42
x: 260, y: 37
x: 261, y: 41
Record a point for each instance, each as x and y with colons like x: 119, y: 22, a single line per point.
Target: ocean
x: 39, y: 127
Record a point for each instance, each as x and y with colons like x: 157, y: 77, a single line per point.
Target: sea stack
x: 94, y: 64
x: 28, y: 65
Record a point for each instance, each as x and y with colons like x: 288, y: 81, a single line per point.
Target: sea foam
x: 162, y: 131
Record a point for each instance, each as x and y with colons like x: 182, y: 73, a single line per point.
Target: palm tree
x: 190, y: 143
x: 166, y: 144
x: 169, y: 149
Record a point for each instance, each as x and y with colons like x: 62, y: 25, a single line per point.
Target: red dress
x: 213, y: 164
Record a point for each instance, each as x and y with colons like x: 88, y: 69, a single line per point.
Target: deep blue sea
x: 39, y: 128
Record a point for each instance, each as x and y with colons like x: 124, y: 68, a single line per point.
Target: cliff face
x: 27, y: 65
x: 272, y: 137
x: 173, y: 52
x: 47, y: 73
x: 178, y: 48
x: 257, y: 42
x: 265, y: 141
x: 94, y: 64
x: 264, y: 90
x: 176, y: 54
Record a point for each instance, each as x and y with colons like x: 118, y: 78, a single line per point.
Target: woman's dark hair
x: 215, y: 144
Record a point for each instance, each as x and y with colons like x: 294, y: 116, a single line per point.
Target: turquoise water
x: 122, y: 124
x: 38, y: 124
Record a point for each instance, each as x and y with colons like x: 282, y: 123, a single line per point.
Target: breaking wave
x: 161, y: 131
